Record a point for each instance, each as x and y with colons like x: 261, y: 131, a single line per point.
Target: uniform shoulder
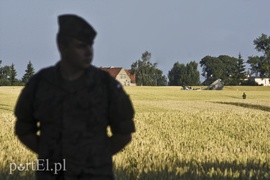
x: 47, y: 70
x: 107, y: 79
x: 43, y: 73
x: 105, y: 75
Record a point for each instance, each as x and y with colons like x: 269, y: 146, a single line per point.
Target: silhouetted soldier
x: 244, y: 96
x: 74, y: 103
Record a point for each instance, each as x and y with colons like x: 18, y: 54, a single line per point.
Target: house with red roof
x: 123, y: 76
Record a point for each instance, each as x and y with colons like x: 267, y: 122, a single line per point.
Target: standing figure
x: 244, y: 95
x: 71, y: 105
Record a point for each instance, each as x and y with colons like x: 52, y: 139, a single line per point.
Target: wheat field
x: 179, y: 135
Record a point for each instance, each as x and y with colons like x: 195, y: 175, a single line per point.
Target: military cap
x: 76, y: 27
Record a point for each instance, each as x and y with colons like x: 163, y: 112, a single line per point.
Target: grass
x: 180, y: 135
x: 8, y: 98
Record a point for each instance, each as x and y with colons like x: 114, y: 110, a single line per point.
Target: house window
x: 122, y: 76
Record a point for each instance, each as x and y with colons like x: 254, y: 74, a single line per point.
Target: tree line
x: 8, y: 75
x: 231, y: 70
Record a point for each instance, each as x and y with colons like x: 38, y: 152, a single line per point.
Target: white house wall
x: 262, y: 81
x: 123, y: 78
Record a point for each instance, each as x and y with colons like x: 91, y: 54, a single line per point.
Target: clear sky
x: 171, y: 30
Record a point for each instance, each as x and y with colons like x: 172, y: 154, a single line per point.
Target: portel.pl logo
x: 38, y: 165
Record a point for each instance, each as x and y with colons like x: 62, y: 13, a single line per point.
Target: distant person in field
x: 244, y: 96
x: 72, y: 104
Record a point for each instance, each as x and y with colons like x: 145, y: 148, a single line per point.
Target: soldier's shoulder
x: 47, y: 71
x: 42, y: 73
x: 97, y: 70
x: 105, y: 76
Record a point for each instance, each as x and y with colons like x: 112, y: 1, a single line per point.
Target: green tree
x: 8, y: 75
x: 175, y: 73
x: 230, y: 66
x: 13, y: 75
x: 211, y: 69
x: 260, y: 65
x: 161, y: 79
x: 6, y: 72
x: 192, y: 73
x: 223, y: 67
x: 241, y: 70
x: 255, y: 64
x: 5, y: 76
x: 29, y: 72
x: 147, y: 73
x: 182, y: 75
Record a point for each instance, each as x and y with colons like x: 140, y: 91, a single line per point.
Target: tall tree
x: 13, y: 75
x: 229, y: 75
x: 175, y: 73
x: 192, y: 73
x: 260, y: 65
x: 211, y: 69
x: 29, y: 72
x: 8, y: 75
x: 4, y: 76
x: 147, y: 73
x: 262, y: 44
x: 182, y: 75
x: 223, y: 67
x: 6, y: 72
x: 241, y: 70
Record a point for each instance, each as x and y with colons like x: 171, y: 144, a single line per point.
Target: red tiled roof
x: 112, y: 70
x: 131, y: 76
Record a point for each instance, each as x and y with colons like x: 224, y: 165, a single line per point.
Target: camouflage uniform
x: 74, y: 117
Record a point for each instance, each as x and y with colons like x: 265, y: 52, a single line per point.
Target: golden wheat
x: 180, y: 135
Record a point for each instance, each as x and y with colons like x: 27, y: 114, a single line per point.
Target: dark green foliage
x: 13, y: 75
x: 29, y: 72
x: 192, y: 73
x: 260, y: 65
x: 241, y: 73
x: 249, y: 82
x: 147, y: 73
x: 223, y: 67
x: 184, y: 75
x: 8, y: 75
x: 4, y: 75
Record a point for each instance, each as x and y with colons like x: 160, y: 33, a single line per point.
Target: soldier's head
x: 75, y: 40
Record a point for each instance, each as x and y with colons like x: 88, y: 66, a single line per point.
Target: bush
x: 4, y: 82
x: 249, y: 83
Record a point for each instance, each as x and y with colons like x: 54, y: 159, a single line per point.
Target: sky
x: 171, y: 30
